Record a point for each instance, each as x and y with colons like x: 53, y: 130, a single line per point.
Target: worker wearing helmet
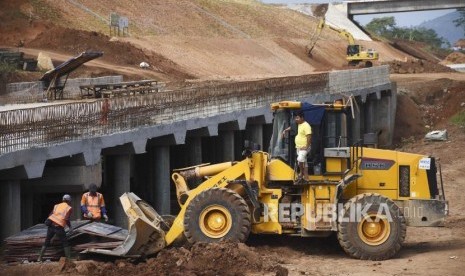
x: 93, y: 205
x: 56, y: 222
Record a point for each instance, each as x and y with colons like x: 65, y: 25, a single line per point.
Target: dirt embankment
x: 415, y: 66
x: 415, y: 49
x: 73, y: 41
x: 423, y: 106
x: 454, y: 58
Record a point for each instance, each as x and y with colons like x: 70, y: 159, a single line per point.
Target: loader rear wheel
x: 372, y: 227
x: 217, y: 214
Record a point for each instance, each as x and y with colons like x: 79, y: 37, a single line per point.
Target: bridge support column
x: 227, y: 138
x: 380, y: 117
x: 162, y: 179
x: 122, y: 184
x: 27, y: 210
x: 10, y: 206
x: 256, y: 134
x: 195, y: 150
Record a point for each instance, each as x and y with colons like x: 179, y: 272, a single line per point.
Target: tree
x: 387, y: 27
x: 460, y: 22
x: 381, y: 26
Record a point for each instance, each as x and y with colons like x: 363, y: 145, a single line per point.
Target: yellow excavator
x: 368, y: 196
x: 355, y: 52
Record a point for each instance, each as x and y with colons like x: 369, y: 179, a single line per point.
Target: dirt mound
x: 455, y: 58
x: 319, y: 10
x: 212, y: 259
x: 416, y: 66
x: 199, y: 259
x: 72, y: 41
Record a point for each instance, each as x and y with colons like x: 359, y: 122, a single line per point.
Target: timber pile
x: 25, y: 246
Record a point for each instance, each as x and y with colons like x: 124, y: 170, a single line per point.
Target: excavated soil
x: 423, y: 106
x: 199, y: 259
x: 454, y: 58
x: 73, y: 42
x: 319, y: 10
x: 414, y: 66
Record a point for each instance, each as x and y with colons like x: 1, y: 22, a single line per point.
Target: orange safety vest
x: 61, y: 213
x: 93, y: 204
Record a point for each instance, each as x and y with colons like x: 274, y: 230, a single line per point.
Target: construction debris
x: 25, y: 245
x: 436, y: 135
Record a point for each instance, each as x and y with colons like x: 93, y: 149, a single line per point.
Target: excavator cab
x: 353, y: 50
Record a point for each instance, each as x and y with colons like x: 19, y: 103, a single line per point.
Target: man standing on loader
x: 56, y: 223
x: 93, y: 205
x: 302, y: 143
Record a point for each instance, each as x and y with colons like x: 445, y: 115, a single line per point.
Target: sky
x: 403, y: 19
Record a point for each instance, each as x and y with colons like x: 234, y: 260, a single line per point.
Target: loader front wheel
x: 217, y: 214
x: 372, y: 227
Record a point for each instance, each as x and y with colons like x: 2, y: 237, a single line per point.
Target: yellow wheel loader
x: 368, y: 196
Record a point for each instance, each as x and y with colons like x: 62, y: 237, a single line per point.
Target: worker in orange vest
x: 93, y: 205
x: 56, y: 222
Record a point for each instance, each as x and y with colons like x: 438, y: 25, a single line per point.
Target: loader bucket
x: 145, y: 237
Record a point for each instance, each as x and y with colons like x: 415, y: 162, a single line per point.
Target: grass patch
x: 459, y: 119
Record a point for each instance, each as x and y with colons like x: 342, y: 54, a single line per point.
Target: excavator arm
x: 322, y: 23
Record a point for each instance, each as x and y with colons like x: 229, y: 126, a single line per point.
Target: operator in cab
x: 302, y: 143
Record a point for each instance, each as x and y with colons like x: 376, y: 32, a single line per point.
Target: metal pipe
x: 182, y: 190
x: 212, y: 169
x: 201, y: 171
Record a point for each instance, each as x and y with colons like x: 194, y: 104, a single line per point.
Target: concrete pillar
x: 194, y: 150
x: 370, y: 107
x: 121, y: 184
x: 27, y: 210
x: 162, y: 179
x: 10, y: 206
x: 227, y: 138
x: 382, y: 117
x: 256, y: 134
x: 356, y: 124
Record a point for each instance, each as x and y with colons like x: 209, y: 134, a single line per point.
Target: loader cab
x: 330, y: 124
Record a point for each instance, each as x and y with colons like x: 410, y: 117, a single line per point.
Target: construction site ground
x: 199, y: 41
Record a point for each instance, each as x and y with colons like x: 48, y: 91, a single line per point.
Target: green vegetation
x: 387, y: 27
x: 459, y: 119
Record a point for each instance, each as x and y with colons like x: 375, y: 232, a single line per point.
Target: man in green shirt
x: 302, y: 143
